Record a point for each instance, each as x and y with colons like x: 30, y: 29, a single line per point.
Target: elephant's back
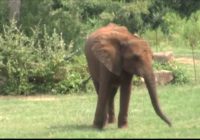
x: 109, y: 34
x: 109, y: 29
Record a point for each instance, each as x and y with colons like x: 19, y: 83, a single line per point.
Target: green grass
x: 71, y: 116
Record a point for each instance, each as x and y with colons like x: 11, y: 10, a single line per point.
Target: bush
x: 76, y: 74
x: 35, y: 63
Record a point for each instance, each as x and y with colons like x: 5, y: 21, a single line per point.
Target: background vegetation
x: 42, y: 51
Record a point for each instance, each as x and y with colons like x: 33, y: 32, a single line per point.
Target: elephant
x: 114, y: 56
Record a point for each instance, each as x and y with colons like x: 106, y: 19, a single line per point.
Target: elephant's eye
x: 135, y: 57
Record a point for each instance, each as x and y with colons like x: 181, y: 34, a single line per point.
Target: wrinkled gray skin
x: 114, y: 56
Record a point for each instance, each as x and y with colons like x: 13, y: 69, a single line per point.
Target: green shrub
x: 179, y: 72
x: 36, y: 63
x: 76, y: 74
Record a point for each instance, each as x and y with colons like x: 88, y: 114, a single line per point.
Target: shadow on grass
x: 73, y: 127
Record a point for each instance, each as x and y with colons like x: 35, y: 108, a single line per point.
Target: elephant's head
x: 132, y: 55
x: 136, y: 57
x: 128, y: 53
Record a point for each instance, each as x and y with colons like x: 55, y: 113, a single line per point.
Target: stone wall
x: 163, y: 76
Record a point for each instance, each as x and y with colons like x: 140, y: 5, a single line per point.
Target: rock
x: 163, y: 77
x: 163, y: 57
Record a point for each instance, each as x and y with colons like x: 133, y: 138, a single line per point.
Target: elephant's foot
x: 122, y: 122
x: 100, y: 123
x: 123, y: 125
x: 111, y: 119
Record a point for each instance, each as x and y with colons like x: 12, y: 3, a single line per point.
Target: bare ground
x: 186, y: 60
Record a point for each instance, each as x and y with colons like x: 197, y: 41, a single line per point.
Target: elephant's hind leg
x: 96, y: 85
x: 101, y: 114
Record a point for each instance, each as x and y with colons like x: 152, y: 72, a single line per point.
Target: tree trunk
x: 14, y: 9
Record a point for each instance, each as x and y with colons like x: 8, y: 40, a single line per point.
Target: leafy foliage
x: 30, y: 63
x: 184, y: 7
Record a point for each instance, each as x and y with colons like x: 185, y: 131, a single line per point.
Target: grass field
x: 71, y: 116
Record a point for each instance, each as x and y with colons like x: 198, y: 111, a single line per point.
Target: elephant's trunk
x: 151, y: 86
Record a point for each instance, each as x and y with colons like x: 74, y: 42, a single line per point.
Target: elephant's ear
x: 108, y: 55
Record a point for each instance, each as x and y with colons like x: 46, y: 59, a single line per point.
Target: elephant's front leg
x: 111, y: 108
x: 125, y: 92
x: 101, y: 115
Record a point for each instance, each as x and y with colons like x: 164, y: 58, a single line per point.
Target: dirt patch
x: 186, y: 60
x: 31, y: 98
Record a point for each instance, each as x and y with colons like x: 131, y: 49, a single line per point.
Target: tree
x: 14, y: 9
x: 158, y: 9
x: 191, y: 34
x: 184, y: 7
